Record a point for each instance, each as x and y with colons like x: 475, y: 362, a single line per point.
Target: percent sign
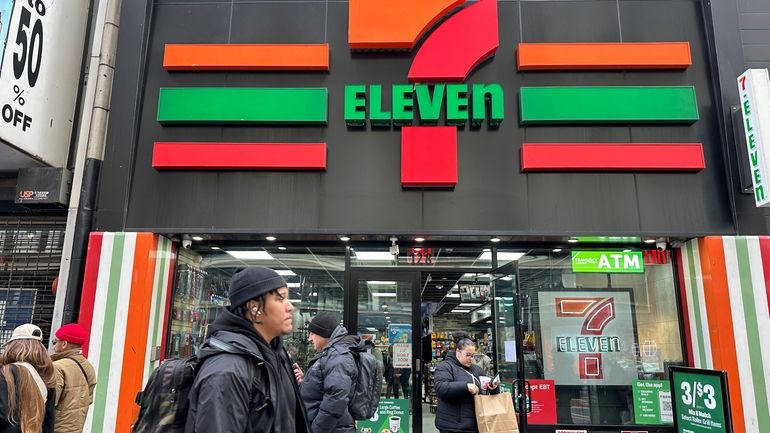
x: 18, y: 93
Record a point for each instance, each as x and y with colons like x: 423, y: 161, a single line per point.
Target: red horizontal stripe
x: 612, y: 157
x: 239, y: 156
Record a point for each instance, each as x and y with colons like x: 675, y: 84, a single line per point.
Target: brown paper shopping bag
x: 495, y: 414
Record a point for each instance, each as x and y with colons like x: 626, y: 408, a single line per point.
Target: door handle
x: 528, y: 402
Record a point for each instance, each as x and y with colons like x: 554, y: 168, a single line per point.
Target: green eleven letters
x: 479, y: 101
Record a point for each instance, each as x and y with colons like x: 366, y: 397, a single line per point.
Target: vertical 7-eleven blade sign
x: 447, y: 55
x: 588, y: 337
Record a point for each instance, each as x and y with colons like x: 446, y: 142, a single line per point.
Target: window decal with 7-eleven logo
x: 588, y: 337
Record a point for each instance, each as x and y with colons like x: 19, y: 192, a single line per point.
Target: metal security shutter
x: 30, y: 256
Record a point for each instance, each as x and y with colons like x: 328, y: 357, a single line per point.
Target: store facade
x: 535, y: 199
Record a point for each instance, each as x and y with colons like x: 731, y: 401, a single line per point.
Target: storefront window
x: 596, y: 346
x: 315, y: 278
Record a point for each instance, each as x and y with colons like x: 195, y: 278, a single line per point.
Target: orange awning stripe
x: 246, y: 57
x: 632, y: 55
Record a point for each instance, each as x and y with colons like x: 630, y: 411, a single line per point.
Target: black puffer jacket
x: 328, y: 381
x: 455, y: 411
x: 245, y: 386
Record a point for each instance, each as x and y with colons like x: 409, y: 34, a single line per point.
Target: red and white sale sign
x: 543, y: 402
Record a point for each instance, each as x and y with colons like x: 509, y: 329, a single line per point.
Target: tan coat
x: 74, y: 394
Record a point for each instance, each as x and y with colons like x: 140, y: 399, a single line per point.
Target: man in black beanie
x: 245, y: 380
x: 325, y: 389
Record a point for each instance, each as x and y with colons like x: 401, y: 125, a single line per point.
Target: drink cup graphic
x: 395, y: 424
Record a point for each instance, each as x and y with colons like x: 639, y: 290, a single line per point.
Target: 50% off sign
x: 27, y: 60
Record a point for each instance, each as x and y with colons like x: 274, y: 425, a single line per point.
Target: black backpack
x: 164, y: 401
x: 365, y: 395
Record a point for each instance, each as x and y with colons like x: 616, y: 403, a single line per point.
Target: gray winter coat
x: 329, y: 378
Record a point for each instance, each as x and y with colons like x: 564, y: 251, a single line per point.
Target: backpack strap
x: 85, y: 376
x: 229, y: 348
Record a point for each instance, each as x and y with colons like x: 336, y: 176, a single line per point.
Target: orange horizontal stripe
x: 633, y: 55
x: 246, y: 57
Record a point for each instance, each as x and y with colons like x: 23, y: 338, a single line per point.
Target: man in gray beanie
x: 246, y: 381
x: 325, y: 389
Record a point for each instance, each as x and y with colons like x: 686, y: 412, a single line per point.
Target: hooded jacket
x: 7, y: 427
x: 456, y: 411
x: 330, y: 376
x: 245, y: 385
x: 74, y: 390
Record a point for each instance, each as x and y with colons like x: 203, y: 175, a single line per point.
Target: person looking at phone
x: 456, y: 382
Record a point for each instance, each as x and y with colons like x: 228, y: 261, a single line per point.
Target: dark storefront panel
x: 361, y: 191
x: 30, y: 256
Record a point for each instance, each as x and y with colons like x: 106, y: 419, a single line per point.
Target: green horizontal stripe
x: 247, y: 105
x: 554, y: 105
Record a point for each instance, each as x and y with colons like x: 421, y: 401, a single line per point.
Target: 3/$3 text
x: 424, y: 103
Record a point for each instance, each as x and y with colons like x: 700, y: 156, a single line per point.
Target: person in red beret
x: 75, y: 379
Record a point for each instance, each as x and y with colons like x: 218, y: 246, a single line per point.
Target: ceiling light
x: 383, y: 256
x: 507, y: 278
x: 649, y: 241
x: 627, y: 250
x: 470, y: 304
x: 344, y: 238
x: 251, y: 255
x: 557, y: 250
x: 285, y: 272
x: 572, y: 241
x: 474, y: 276
x: 387, y: 317
x: 419, y: 239
x: 384, y: 295
x: 494, y: 240
x: 314, y: 294
x: 293, y: 285
x: 295, y: 301
x: 384, y: 305
x: 270, y: 238
x: 197, y: 238
x: 453, y: 295
x: 282, y: 248
x: 506, y: 256
x: 461, y: 311
x: 216, y: 248
x: 381, y: 283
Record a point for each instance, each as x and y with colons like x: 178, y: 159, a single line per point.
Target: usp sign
x: 754, y: 89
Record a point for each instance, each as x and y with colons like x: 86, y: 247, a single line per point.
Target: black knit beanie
x: 253, y: 282
x: 323, y: 324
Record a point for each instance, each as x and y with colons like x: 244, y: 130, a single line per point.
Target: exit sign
x: 608, y: 262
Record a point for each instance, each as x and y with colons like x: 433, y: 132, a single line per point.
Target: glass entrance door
x: 386, y: 311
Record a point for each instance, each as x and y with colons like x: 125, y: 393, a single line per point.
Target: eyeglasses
x: 467, y: 355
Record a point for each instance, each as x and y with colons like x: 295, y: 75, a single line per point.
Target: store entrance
x: 413, y: 324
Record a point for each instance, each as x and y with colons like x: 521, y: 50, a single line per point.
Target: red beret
x: 72, y: 333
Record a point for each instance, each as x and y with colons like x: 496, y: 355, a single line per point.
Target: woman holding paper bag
x: 457, y: 380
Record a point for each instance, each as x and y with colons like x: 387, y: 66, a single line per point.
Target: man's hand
x: 299, y: 376
x: 473, y: 389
